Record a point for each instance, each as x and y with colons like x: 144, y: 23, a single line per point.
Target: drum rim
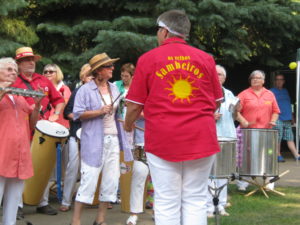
x: 51, y: 135
x: 260, y: 129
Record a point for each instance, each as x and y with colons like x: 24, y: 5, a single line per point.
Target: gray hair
x: 8, y: 60
x: 176, y: 22
x: 257, y: 72
x: 222, y: 69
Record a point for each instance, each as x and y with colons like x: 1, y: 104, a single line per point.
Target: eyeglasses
x: 108, y: 66
x: 49, y: 71
x: 279, y: 79
x: 256, y: 78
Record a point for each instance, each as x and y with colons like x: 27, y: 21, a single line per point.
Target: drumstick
x: 136, y: 127
x: 116, y: 99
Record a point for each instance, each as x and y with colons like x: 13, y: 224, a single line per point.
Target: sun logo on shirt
x: 181, y: 89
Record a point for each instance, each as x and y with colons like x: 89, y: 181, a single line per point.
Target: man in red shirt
x: 28, y: 79
x: 177, y: 87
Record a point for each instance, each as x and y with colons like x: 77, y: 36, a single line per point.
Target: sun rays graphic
x: 181, y: 89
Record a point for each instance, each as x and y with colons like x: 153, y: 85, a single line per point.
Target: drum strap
x: 28, y: 85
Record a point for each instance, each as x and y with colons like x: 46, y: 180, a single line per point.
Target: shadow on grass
x: 259, y: 210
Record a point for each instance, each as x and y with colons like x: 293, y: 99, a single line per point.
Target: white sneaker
x: 224, y: 213
x: 132, y: 220
x: 241, y: 188
x: 210, y: 215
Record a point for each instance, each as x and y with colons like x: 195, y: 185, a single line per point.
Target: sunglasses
x: 49, y: 71
x: 108, y: 66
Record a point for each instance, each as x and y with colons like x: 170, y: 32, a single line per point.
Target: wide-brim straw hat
x: 26, y: 52
x: 99, y: 60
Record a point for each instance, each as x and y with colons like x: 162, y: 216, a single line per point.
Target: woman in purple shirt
x: 95, y: 105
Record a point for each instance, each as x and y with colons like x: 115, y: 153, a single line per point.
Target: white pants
x: 110, y: 174
x: 71, y: 157
x: 180, y: 190
x: 139, y: 175
x: 11, y: 191
x: 215, y: 183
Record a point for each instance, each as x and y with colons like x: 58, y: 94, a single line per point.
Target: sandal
x: 64, y: 208
x: 132, y: 220
x: 109, y: 206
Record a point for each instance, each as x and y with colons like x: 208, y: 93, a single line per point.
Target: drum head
x: 52, y: 129
x: 226, y: 139
x: 78, y: 133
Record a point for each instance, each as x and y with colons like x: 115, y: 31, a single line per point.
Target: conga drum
x: 225, y: 162
x: 43, y: 150
x: 259, y: 152
x: 125, y: 182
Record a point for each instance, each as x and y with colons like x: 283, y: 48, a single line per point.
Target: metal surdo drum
x: 225, y: 165
x: 259, y: 152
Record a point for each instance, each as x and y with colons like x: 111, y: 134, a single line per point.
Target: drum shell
x: 43, y: 160
x: 225, y: 162
x: 259, y: 152
x: 125, y: 184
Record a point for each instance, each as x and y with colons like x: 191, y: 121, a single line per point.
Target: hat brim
x: 96, y: 66
x: 36, y: 57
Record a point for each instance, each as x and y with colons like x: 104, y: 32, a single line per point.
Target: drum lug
x: 41, y: 140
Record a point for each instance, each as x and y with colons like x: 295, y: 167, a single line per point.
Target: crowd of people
x: 172, y: 105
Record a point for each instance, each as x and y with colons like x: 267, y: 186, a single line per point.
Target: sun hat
x: 99, y: 60
x: 26, y: 52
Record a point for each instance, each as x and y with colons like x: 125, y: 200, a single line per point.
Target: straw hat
x: 26, y: 52
x: 99, y: 60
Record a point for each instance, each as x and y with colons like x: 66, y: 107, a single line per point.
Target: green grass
x: 258, y: 210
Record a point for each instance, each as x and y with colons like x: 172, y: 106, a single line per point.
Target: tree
x: 14, y: 31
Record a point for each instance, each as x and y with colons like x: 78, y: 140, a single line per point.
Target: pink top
x: 258, y: 110
x: 65, y: 92
x: 179, y: 87
x: 15, y: 157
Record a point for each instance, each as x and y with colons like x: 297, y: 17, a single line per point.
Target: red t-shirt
x: 52, y: 95
x: 179, y: 87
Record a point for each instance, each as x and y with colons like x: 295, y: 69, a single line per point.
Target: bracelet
x: 56, y: 113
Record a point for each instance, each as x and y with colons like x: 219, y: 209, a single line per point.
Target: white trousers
x: 11, y: 191
x: 110, y: 174
x: 216, y: 183
x: 139, y: 175
x: 71, y: 157
x: 180, y: 190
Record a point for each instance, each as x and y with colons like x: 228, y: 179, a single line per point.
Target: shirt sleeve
x: 275, y: 107
x: 138, y: 90
x: 79, y: 103
x: 69, y: 107
x: 54, y: 96
x: 218, y: 94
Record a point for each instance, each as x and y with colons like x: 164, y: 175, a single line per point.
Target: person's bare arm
x: 132, y: 114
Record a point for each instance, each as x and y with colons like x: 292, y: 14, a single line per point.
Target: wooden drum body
x: 259, y: 152
x: 43, y: 149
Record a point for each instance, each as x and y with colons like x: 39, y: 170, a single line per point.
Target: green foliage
x: 70, y: 32
x: 14, y: 32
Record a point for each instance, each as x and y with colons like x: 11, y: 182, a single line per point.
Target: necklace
x: 110, y: 95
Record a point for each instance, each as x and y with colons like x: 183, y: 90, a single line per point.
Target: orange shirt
x: 15, y: 156
x: 258, y: 110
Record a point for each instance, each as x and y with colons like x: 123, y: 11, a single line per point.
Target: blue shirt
x: 284, y: 102
x: 225, y: 125
x: 92, y: 133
